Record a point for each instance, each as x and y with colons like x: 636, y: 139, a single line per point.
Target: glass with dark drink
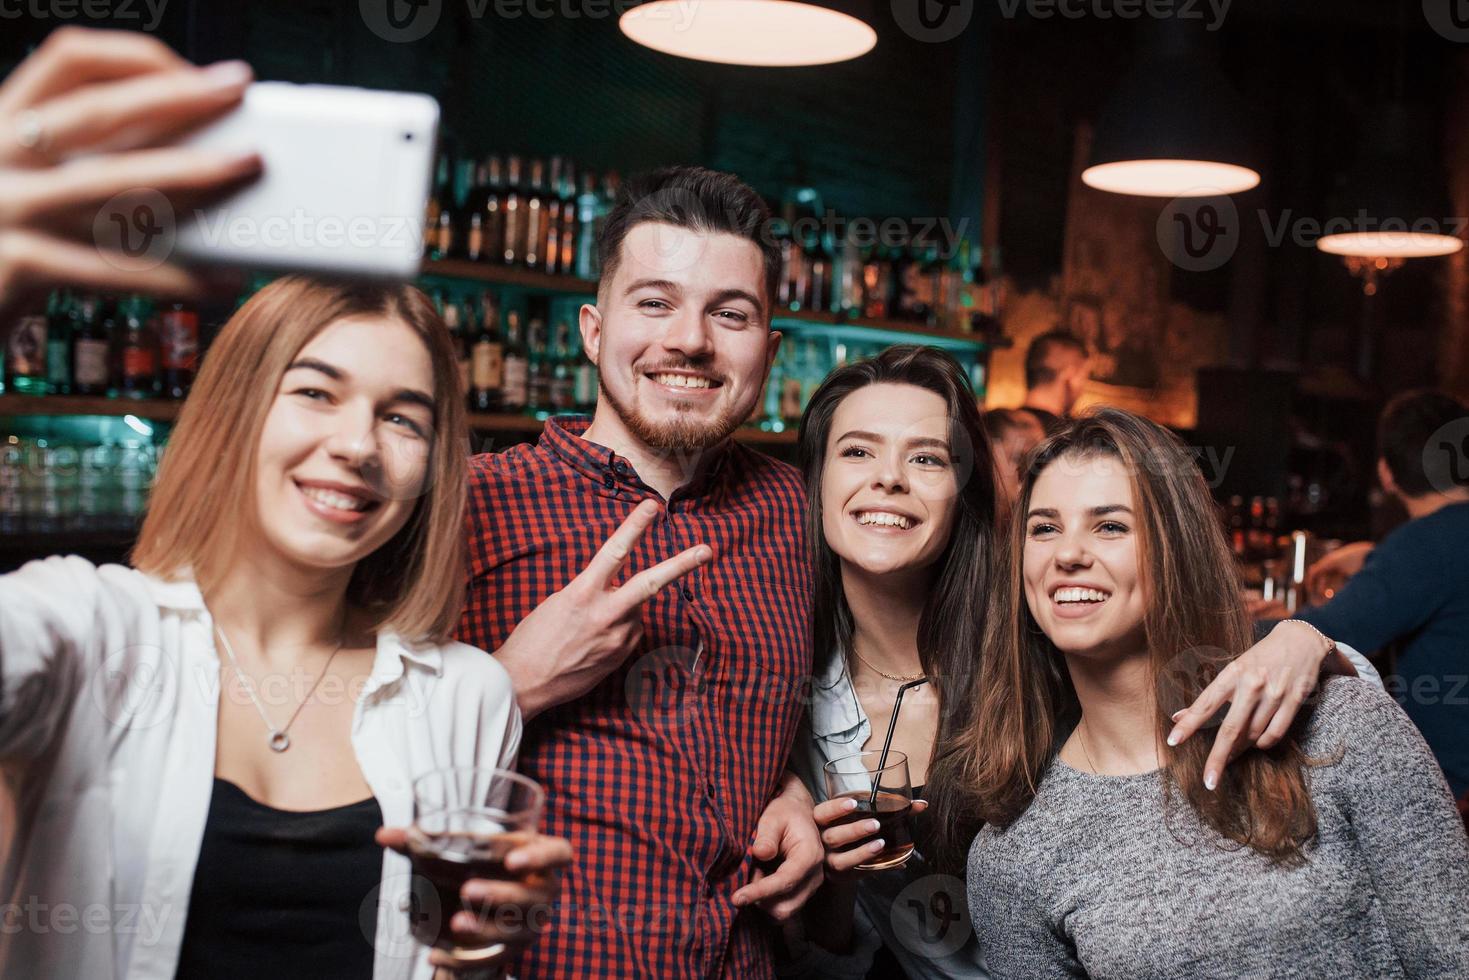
x: 465, y: 820
x: 883, y: 792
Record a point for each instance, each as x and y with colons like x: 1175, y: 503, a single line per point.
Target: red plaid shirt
x: 658, y: 776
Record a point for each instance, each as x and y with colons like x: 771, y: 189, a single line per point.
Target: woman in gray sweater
x: 1334, y: 853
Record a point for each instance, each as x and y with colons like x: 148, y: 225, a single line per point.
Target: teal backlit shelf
x: 891, y: 331
x: 163, y: 410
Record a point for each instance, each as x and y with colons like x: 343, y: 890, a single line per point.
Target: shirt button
x: 608, y: 482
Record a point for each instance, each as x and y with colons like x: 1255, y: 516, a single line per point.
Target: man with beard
x: 660, y: 704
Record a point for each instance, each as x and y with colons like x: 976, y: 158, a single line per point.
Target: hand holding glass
x: 856, y: 777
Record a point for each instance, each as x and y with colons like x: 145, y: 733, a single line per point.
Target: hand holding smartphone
x: 347, y: 174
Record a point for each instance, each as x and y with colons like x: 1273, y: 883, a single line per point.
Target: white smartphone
x: 346, y: 182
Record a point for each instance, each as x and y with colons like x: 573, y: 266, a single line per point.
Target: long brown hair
x: 413, y: 583
x: 949, y: 626
x: 1024, y: 705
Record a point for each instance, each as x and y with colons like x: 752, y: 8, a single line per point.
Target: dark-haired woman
x: 900, y: 514
x: 1335, y: 853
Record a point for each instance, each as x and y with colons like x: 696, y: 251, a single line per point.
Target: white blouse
x: 109, y: 704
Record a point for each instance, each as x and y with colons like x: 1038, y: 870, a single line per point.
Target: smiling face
x: 1082, y: 564
x: 888, y: 482
x: 680, y: 335
x: 344, y: 452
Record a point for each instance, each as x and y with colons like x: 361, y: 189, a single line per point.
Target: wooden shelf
x: 505, y: 275
x: 163, y: 410
x: 158, y: 409
x: 492, y: 422
x: 544, y: 282
x: 891, y: 326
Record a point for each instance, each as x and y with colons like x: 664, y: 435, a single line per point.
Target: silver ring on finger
x: 31, y: 133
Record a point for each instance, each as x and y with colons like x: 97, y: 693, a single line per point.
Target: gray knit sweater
x: 1089, y: 882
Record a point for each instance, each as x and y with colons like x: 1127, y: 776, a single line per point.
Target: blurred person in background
x: 1413, y: 587
x: 1013, y: 433
x: 1057, y: 366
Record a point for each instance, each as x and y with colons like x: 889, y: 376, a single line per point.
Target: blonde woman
x: 202, y: 747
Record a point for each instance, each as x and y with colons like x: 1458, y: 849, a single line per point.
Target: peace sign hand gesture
x: 579, y: 635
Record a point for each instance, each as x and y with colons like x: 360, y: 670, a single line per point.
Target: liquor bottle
x: 138, y: 352
x: 487, y: 358
x: 436, y: 201
x: 793, y: 280
x: 453, y: 321
x: 566, y: 250
x: 494, y: 213
x: 588, y: 205
x: 586, y: 379
x: 517, y: 366
x: 791, y: 388
x: 611, y: 188
x: 513, y: 206
x: 563, y: 372
x: 58, y: 344
x: 476, y: 215
x: 848, y: 279
x: 179, y: 343
x: 91, y: 349
x: 535, y: 216
x: 813, y: 372
x: 818, y: 272
x: 551, y: 218
x: 538, y: 398
x: 447, y: 240
x: 877, y: 283
x: 25, y: 355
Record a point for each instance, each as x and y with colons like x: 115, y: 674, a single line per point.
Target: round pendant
x: 279, y: 741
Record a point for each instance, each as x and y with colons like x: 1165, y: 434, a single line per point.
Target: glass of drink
x: 883, y: 792
x: 465, y: 820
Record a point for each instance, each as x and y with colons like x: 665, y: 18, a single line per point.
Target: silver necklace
x: 280, y: 740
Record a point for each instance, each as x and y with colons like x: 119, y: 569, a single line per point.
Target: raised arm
x: 52, y: 628
x: 579, y: 635
x: 1409, y: 832
x: 84, y: 121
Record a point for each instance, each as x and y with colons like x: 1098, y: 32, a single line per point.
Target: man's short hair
x: 1039, y: 352
x: 695, y: 198
x: 1403, y: 432
x: 1000, y: 421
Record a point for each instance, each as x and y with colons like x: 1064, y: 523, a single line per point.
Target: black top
x: 282, y: 894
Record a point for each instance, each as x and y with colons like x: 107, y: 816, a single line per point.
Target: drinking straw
x: 882, y: 760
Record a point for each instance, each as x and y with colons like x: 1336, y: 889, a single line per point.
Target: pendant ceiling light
x: 1391, y: 204
x: 766, y: 33
x: 1173, y: 127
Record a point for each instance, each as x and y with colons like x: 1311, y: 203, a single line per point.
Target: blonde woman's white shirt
x: 108, y: 716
